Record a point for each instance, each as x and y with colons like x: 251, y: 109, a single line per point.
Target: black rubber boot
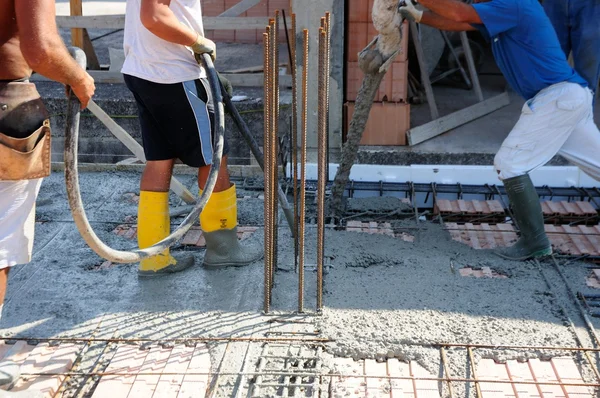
x: 184, y: 261
x: 528, y: 215
x: 223, y: 249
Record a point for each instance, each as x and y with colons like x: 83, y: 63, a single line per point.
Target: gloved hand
x: 408, y: 10
x: 204, y: 46
x: 226, y: 85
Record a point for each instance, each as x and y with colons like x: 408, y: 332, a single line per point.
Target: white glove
x: 408, y: 10
x: 205, y: 46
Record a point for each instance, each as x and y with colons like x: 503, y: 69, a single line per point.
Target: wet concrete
x: 384, y: 297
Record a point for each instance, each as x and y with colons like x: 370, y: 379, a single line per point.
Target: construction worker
x: 176, y: 113
x: 29, y: 40
x: 557, y: 116
x: 576, y: 24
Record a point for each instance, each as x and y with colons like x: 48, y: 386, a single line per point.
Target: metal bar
x: 261, y: 365
x: 275, y: 140
x: 267, y: 172
x: 294, y: 68
x: 471, y: 63
x: 446, y: 370
x: 310, y: 374
x: 573, y: 296
x: 472, y: 361
x: 328, y: 83
x: 322, y: 159
x: 457, y: 59
x: 303, y: 175
x: 424, y: 72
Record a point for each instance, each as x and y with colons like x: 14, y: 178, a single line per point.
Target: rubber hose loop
x: 72, y: 176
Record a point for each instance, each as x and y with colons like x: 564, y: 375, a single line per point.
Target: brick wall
x: 266, y: 8
x: 391, y: 99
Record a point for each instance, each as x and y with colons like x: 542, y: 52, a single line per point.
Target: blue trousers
x: 577, y: 23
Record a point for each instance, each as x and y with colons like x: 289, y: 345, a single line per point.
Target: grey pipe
x: 72, y: 176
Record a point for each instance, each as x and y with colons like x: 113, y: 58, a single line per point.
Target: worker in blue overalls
x: 557, y: 116
x: 577, y: 24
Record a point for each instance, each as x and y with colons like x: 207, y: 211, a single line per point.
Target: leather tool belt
x: 24, y: 132
x: 26, y: 158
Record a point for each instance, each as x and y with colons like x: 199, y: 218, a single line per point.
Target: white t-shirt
x: 149, y: 57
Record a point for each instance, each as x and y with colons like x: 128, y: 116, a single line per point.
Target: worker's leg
x: 583, y: 146
x: 219, y: 217
x: 558, y: 12
x: 547, y: 121
x: 585, y: 39
x: 154, y: 223
x: 153, y: 210
x: 17, y: 223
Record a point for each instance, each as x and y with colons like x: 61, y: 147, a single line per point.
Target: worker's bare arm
x: 453, y: 10
x: 157, y: 17
x: 439, y: 22
x: 44, y: 50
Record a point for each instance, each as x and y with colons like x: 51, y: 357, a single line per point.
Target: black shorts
x: 177, y: 120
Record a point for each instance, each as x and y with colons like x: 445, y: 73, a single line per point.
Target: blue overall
x: 577, y: 24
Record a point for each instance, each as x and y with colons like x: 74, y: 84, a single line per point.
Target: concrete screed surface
x: 384, y: 297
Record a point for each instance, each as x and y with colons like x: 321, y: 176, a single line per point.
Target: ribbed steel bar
x: 444, y: 359
x: 274, y: 136
x: 295, y: 135
x: 302, y: 192
x: 321, y: 159
x: 472, y: 362
x: 305, y: 374
x: 328, y: 80
x: 267, y: 171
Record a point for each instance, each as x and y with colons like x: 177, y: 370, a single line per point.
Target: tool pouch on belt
x: 26, y: 158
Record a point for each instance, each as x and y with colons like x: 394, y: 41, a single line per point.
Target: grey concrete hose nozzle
x: 72, y: 176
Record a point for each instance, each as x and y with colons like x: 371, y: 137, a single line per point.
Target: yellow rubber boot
x: 219, y: 227
x: 154, y: 226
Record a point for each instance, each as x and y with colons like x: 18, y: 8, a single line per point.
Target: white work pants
x: 559, y: 119
x: 17, y: 220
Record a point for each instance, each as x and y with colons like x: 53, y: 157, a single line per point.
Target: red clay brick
x: 155, y: 362
x: 194, y: 386
x: 178, y: 362
x: 59, y: 360
x: 519, y: 371
x: 567, y: 372
x: 128, y: 359
x: 543, y: 371
x: 191, y: 237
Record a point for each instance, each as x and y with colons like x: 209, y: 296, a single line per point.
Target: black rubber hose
x: 258, y: 155
x: 72, y: 177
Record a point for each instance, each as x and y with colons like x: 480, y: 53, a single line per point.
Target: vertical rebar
x: 275, y: 135
x: 293, y: 61
x: 328, y: 78
x: 302, y: 192
x: 321, y: 159
x: 267, y: 173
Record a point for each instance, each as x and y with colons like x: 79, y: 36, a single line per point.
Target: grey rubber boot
x: 528, y: 215
x: 9, y: 374
x: 223, y: 249
x: 184, y: 261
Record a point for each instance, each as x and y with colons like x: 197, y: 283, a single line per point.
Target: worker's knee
x: 157, y: 175
x: 506, y: 167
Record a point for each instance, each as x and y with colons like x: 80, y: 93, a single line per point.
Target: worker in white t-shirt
x: 176, y: 113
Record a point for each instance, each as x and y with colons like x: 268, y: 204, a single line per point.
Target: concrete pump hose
x: 72, y: 176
